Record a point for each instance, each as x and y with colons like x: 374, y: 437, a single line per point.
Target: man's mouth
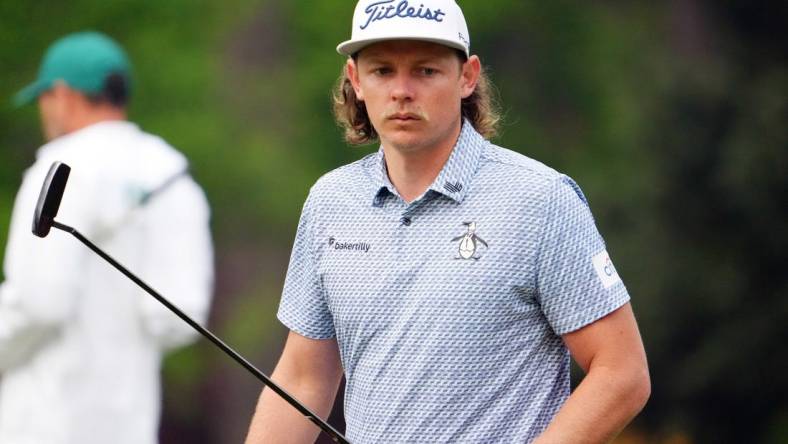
x: 404, y: 117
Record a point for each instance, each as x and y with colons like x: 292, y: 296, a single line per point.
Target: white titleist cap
x: 438, y: 21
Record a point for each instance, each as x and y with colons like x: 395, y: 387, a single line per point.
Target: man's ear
x: 69, y: 99
x: 469, y: 77
x: 60, y: 89
x: 66, y: 95
x: 351, y: 71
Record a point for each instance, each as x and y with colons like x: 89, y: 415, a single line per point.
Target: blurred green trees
x: 670, y: 115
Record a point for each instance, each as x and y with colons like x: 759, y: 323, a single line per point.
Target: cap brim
x: 28, y: 94
x: 351, y: 47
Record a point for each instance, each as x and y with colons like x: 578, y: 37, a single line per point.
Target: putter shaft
x: 324, y: 426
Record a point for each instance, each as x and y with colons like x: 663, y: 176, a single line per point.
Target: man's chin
x: 404, y: 134
x: 411, y: 126
x: 404, y: 141
x: 50, y: 135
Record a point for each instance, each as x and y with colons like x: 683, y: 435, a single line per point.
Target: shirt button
x: 405, y: 221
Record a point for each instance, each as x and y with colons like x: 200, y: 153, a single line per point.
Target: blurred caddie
x: 81, y: 345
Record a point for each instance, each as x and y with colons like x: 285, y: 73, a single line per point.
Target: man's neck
x: 413, y: 171
x: 97, y: 115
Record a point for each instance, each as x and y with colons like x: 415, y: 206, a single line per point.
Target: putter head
x: 50, y: 197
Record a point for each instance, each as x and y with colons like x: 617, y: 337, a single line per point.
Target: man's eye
x: 382, y: 71
x: 428, y: 71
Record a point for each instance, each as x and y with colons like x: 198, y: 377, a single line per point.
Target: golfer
x: 448, y: 279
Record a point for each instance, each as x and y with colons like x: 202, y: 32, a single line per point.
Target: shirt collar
x: 381, y: 185
x: 455, y: 177
x: 53, y: 147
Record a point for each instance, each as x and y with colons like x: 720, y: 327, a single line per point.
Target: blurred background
x: 671, y: 115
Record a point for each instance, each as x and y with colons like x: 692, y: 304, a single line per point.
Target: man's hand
x: 311, y: 371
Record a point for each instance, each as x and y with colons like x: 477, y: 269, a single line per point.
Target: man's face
x: 53, y: 109
x: 413, y: 91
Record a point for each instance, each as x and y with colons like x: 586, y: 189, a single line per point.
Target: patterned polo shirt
x: 449, y: 310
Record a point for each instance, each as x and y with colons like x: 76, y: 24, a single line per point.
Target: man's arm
x: 43, y: 276
x: 616, y: 385
x: 20, y: 334
x: 311, y: 371
x: 179, y: 262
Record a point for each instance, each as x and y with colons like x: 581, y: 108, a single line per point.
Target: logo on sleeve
x: 607, y: 273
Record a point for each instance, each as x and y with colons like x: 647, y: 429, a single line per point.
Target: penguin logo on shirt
x: 468, y: 242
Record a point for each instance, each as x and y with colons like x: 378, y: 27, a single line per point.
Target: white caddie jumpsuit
x: 81, y: 344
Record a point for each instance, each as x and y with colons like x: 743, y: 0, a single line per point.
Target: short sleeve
x: 576, y: 281
x: 303, y: 308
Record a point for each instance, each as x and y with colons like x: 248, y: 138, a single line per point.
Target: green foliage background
x: 671, y: 115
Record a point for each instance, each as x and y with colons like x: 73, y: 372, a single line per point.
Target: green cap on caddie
x: 83, y: 61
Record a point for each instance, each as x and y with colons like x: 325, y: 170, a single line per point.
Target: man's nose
x: 402, y: 88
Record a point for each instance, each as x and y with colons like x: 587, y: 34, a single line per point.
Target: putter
x: 44, y: 219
